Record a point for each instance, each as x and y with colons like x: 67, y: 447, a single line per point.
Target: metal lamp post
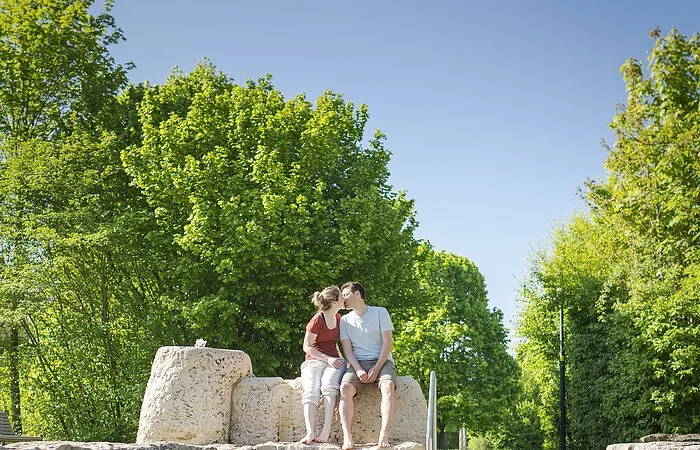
x: 562, y: 386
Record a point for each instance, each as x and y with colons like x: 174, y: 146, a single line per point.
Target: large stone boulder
x: 188, y: 396
x: 269, y: 409
x: 662, y: 442
x: 202, y: 396
x: 409, y: 418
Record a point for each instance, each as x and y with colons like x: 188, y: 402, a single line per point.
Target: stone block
x: 202, y: 396
x: 188, y: 396
x: 410, y: 415
x: 255, y: 410
x: 409, y: 418
x: 269, y: 410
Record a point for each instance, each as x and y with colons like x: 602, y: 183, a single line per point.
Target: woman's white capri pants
x: 319, y: 378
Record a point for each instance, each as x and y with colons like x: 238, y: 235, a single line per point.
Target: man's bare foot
x: 383, y: 442
x: 308, y: 439
x: 347, y: 445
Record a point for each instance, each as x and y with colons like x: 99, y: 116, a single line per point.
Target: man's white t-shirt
x: 365, y: 332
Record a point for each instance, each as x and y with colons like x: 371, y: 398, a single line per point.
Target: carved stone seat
x: 205, y: 395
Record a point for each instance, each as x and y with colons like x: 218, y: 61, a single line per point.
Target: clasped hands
x: 368, y: 377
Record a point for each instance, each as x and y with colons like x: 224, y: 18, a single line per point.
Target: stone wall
x: 662, y: 442
x: 656, y: 446
x: 204, y: 395
x: 70, y: 445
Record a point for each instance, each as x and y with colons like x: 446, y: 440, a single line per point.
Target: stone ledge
x: 70, y: 445
x: 660, y: 445
x: 662, y: 442
x: 693, y: 437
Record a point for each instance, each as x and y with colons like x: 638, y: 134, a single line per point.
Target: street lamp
x: 562, y: 386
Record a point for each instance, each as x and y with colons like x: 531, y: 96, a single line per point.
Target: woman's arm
x: 309, y: 349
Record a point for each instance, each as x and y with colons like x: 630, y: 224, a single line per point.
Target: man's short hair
x: 354, y: 287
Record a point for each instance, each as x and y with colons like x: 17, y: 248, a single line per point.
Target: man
x: 366, y: 338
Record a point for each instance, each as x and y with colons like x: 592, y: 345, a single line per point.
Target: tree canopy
x: 133, y: 217
x: 453, y: 332
x: 261, y: 201
x: 626, y: 271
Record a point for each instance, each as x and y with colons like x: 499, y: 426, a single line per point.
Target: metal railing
x: 431, y: 427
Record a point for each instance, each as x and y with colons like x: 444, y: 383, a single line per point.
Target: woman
x: 323, y: 368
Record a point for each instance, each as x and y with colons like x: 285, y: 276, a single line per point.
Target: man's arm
x: 387, y: 342
x: 352, y: 359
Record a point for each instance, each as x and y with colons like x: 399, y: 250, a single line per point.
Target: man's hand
x: 373, y: 374
x: 362, y: 376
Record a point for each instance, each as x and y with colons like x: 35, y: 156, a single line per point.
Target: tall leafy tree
x: 453, y: 332
x: 651, y: 195
x: 577, y: 272
x: 97, y: 314
x: 626, y: 275
x: 266, y: 200
x: 54, y: 62
x: 53, y: 65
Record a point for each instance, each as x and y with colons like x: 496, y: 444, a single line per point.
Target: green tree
x: 651, y: 195
x: 626, y: 275
x: 97, y: 316
x: 53, y: 66
x: 265, y: 200
x: 452, y: 331
x: 577, y: 272
x: 54, y: 63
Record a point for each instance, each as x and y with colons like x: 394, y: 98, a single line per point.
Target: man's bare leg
x: 347, y: 411
x: 310, y: 421
x: 387, y: 387
x: 328, y: 410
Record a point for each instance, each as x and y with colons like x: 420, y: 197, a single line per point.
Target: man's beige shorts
x: 388, y: 372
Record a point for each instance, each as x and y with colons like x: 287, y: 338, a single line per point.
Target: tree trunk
x: 13, y: 364
x: 110, y: 350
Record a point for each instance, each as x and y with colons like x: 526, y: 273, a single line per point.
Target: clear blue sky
x: 494, y: 110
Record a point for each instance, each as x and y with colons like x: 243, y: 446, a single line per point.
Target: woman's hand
x: 335, y: 362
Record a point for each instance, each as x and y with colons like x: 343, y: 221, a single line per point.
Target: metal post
x: 431, y: 429
x: 462, y: 439
x: 562, y: 386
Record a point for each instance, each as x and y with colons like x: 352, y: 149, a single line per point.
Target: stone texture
x: 409, y: 419
x: 269, y: 409
x: 188, y: 396
x: 656, y: 446
x: 66, y: 445
x: 291, y: 419
x: 662, y: 442
x: 695, y: 437
x: 255, y: 410
x: 203, y: 396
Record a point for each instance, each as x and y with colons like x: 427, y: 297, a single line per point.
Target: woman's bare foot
x: 347, y: 445
x: 308, y: 439
x: 383, y: 442
x: 323, y: 435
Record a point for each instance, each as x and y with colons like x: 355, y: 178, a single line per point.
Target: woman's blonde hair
x: 323, y: 300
